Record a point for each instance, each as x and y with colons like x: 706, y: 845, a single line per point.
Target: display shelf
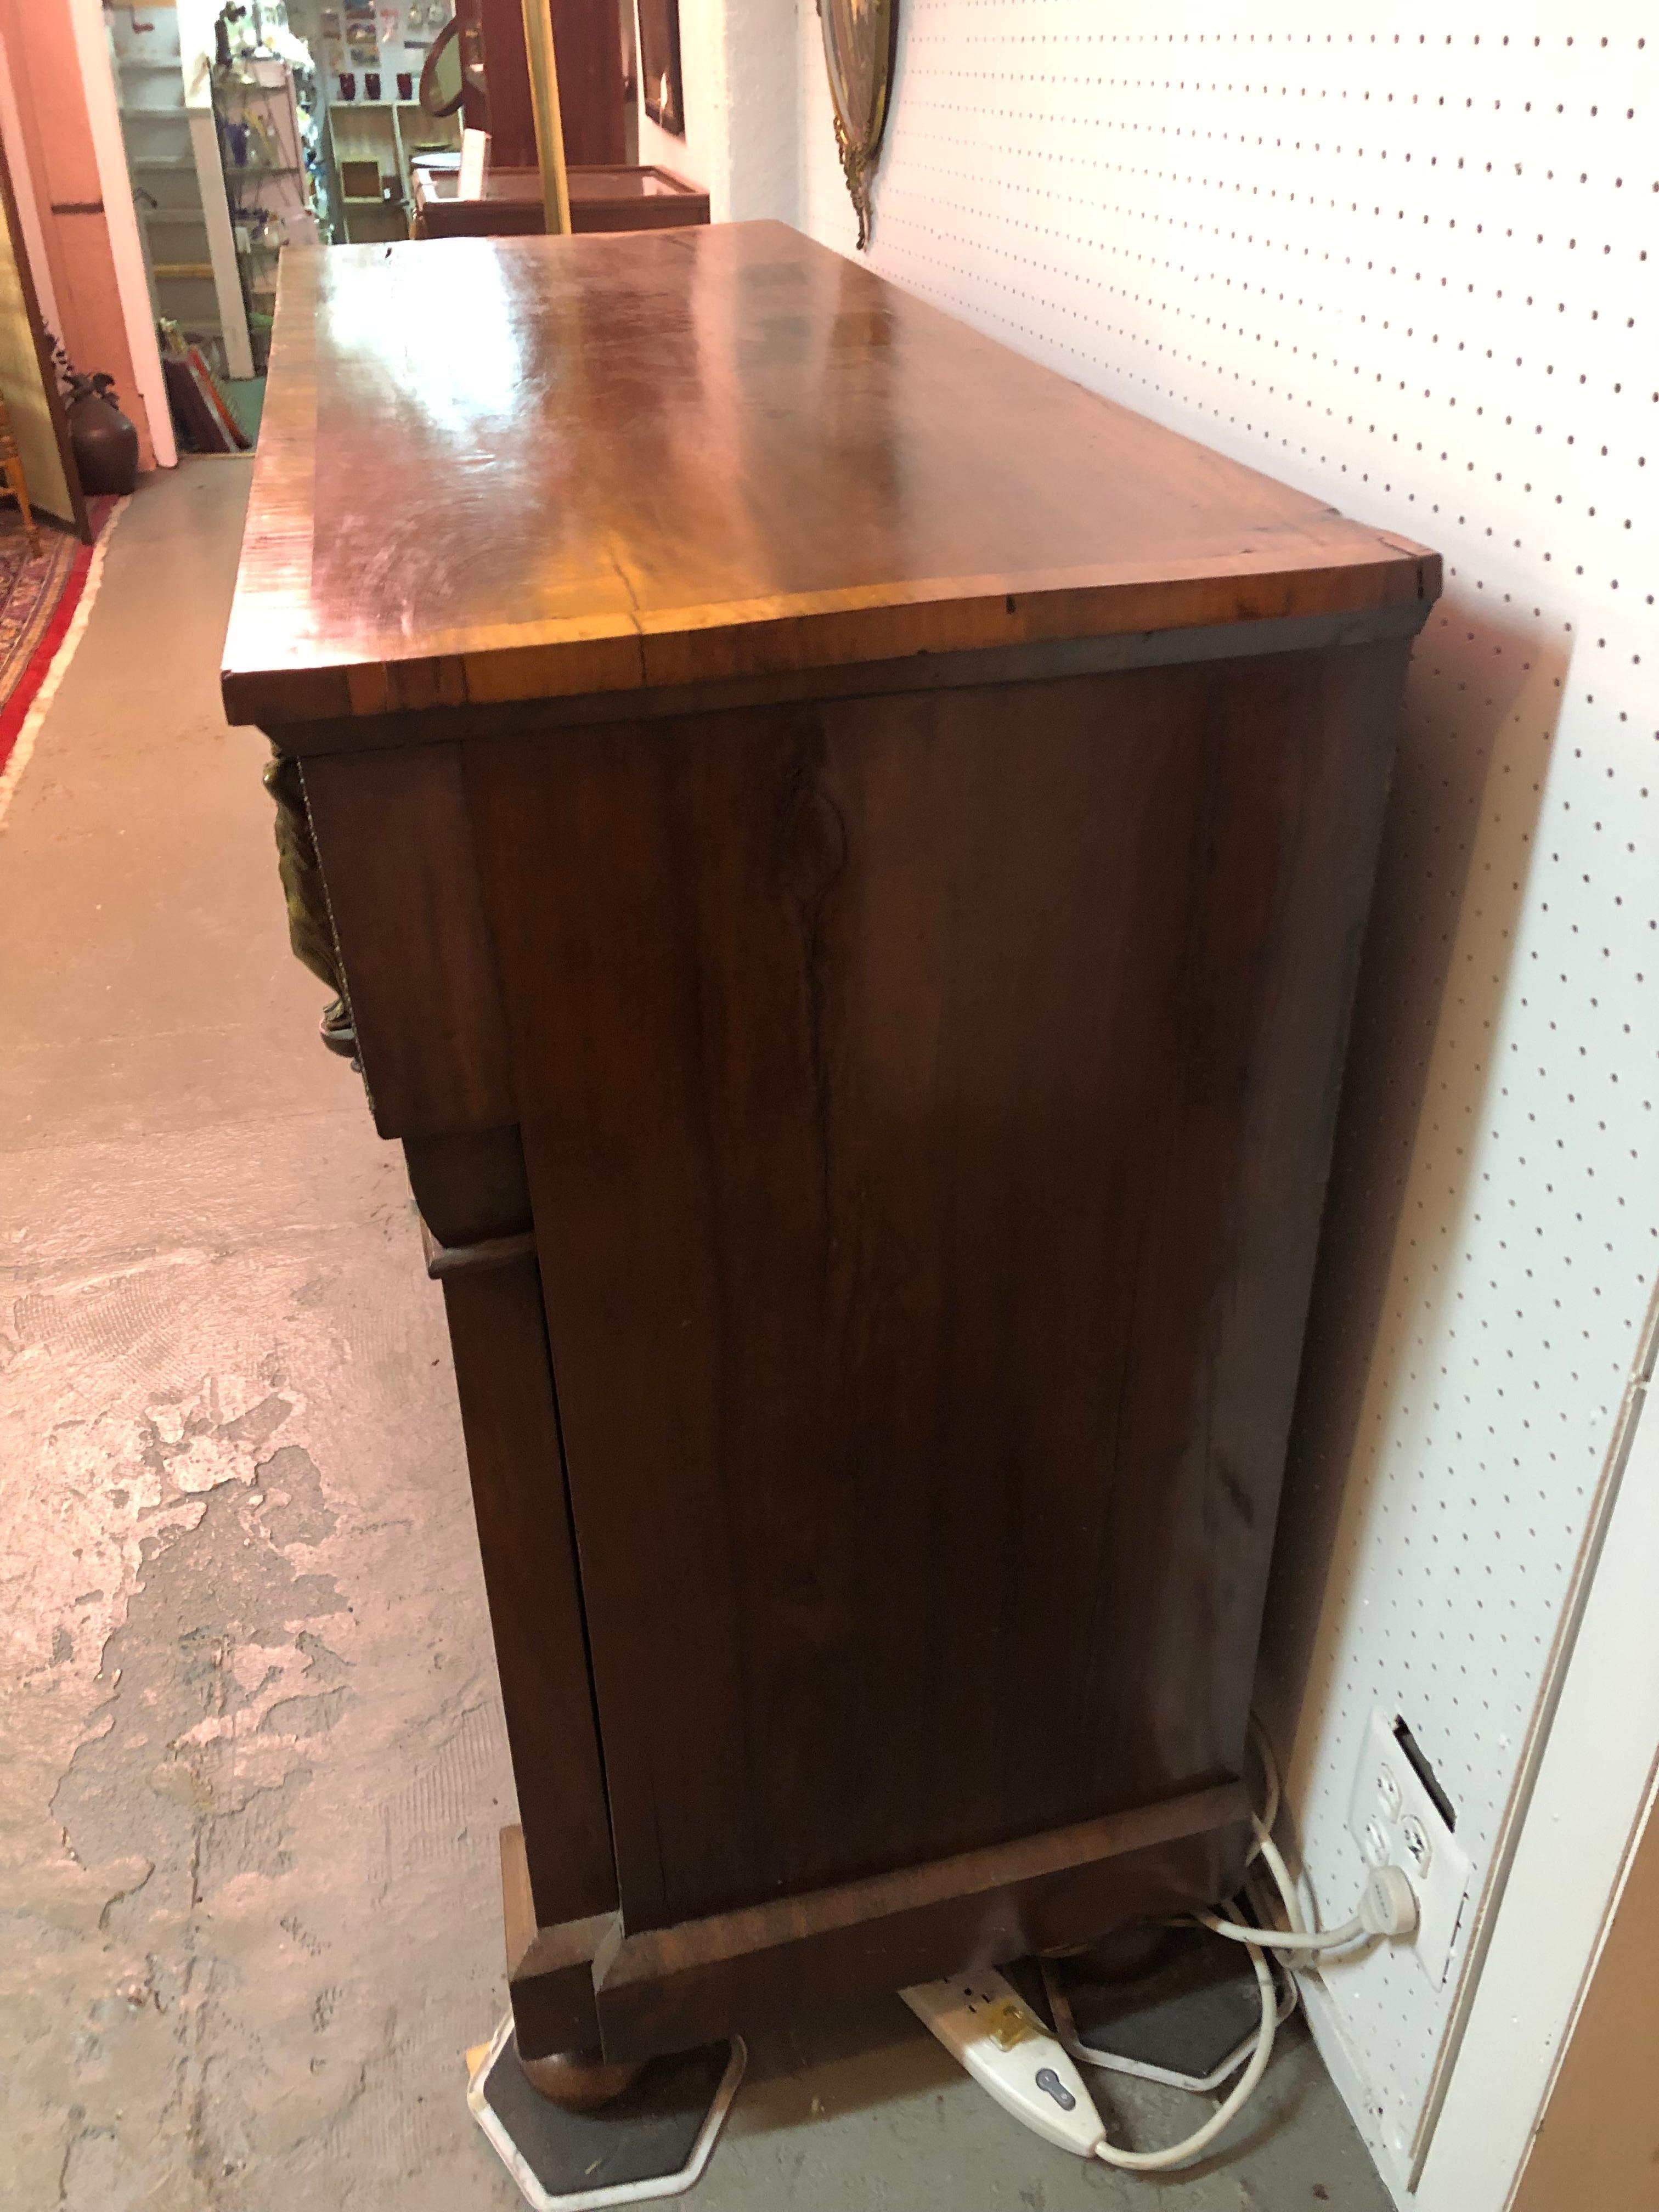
x: 169, y: 132
x: 277, y: 201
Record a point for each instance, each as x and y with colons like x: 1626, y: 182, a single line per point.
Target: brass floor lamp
x: 545, y: 98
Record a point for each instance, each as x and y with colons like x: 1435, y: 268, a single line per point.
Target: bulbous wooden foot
x: 1123, y: 1956
x: 579, y: 2080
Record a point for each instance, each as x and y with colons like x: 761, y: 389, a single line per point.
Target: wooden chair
x: 11, y: 468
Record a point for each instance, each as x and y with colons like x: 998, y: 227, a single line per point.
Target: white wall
x: 737, y: 63
x: 1404, y: 263
x: 196, y: 48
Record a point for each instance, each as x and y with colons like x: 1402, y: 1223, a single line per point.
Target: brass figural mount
x: 310, y: 930
x: 860, y: 38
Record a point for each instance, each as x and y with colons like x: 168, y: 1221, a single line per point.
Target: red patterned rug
x: 38, y: 595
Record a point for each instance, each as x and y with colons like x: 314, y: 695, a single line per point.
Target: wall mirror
x: 442, y: 85
x: 454, y: 66
x: 859, y: 39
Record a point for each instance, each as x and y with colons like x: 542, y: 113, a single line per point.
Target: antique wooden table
x: 849, y: 856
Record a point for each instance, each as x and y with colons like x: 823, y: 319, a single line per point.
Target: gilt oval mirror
x: 859, y: 39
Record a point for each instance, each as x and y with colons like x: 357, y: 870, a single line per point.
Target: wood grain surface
x: 684, y: 1985
x: 504, y: 469
x: 927, y: 1103
x: 396, y: 847
x: 587, y: 36
x: 549, y: 1969
x: 506, y: 1392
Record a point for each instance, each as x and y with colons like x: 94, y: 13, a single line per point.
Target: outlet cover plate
x: 1395, y: 1822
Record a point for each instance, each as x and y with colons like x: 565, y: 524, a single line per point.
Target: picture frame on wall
x: 659, y: 64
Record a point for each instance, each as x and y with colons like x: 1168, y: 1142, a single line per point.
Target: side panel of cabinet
x: 927, y: 1103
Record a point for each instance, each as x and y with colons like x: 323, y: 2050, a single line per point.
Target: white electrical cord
x: 1389, y: 1908
x: 1150, y: 2161
x: 1267, y: 1819
x: 1274, y: 1939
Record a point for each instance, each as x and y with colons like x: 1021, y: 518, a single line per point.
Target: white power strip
x: 983, y: 2023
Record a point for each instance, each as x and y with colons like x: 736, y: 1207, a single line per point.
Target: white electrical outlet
x: 1395, y: 1822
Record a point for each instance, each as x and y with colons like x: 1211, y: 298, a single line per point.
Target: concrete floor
x: 251, y: 1737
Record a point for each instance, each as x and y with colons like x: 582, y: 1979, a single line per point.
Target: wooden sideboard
x: 638, y: 197
x: 849, y: 856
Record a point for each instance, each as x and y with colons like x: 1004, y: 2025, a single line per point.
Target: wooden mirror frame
x: 860, y: 41
x: 471, y: 67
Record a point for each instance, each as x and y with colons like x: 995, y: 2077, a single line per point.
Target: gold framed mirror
x: 860, y: 38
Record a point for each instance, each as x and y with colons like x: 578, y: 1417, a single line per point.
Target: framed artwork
x: 659, y: 64
x: 860, y: 38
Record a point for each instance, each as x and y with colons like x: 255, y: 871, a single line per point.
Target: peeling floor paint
x: 249, y: 1732
x: 251, y: 1759
x: 249, y: 1873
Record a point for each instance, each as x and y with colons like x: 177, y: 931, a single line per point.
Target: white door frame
x: 1584, y: 1819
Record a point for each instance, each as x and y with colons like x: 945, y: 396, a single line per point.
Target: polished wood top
x: 508, y: 469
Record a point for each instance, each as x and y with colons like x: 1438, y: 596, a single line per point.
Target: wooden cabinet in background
x: 849, y: 856
x: 587, y: 36
x: 641, y: 196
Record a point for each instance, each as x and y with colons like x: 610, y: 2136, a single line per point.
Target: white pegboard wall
x: 1404, y: 265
